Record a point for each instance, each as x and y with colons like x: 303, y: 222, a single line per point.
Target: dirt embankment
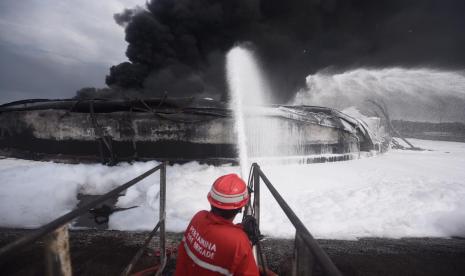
x: 97, y: 252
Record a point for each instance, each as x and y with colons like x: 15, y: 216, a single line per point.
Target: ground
x: 104, y: 252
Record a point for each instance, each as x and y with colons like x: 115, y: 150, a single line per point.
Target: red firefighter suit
x: 213, y: 245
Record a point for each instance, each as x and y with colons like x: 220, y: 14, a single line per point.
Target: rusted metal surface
x: 57, y: 259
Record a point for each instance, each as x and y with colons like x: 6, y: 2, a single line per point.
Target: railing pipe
x: 135, y: 259
x: 42, y: 231
x: 304, y: 260
x: 162, y: 220
x: 322, y: 258
x: 256, y: 197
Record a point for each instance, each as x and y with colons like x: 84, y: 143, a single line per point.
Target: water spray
x: 246, y: 88
x: 420, y: 94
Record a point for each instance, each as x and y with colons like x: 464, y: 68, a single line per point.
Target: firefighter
x: 212, y: 244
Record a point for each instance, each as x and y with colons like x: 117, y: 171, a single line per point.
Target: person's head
x: 226, y: 214
x: 228, y: 195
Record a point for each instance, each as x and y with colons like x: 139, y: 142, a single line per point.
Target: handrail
x: 160, y: 225
x: 321, y: 257
x: 49, y: 227
x: 162, y: 217
x: 139, y: 252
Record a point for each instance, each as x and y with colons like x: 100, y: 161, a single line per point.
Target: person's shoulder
x: 235, y: 234
x: 241, y: 241
x: 202, y: 213
x: 242, y: 236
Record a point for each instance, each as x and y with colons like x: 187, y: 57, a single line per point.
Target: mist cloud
x: 419, y: 94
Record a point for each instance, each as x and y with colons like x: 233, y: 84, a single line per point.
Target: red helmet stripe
x: 228, y: 198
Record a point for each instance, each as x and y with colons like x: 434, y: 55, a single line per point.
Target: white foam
x: 398, y: 194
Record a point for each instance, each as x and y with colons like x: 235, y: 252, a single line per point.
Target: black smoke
x: 177, y: 46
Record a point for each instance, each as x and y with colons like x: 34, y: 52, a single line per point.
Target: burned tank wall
x: 59, y: 125
x: 177, y: 136
x: 136, y: 135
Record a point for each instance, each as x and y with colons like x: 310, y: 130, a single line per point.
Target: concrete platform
x: 104, y: 252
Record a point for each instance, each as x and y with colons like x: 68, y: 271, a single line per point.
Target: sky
x: 51, y: 48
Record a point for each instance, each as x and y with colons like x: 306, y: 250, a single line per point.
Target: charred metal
x: 176, y: 130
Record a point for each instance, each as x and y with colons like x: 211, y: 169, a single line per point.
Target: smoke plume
x: 178, y: 46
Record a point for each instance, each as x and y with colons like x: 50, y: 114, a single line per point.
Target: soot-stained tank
x: 178, y: 130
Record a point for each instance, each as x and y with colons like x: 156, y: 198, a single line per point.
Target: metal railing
x: 57, y: 243
x: 307, y: 250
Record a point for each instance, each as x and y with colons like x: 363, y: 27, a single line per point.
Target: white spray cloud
x: 410, y: 94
